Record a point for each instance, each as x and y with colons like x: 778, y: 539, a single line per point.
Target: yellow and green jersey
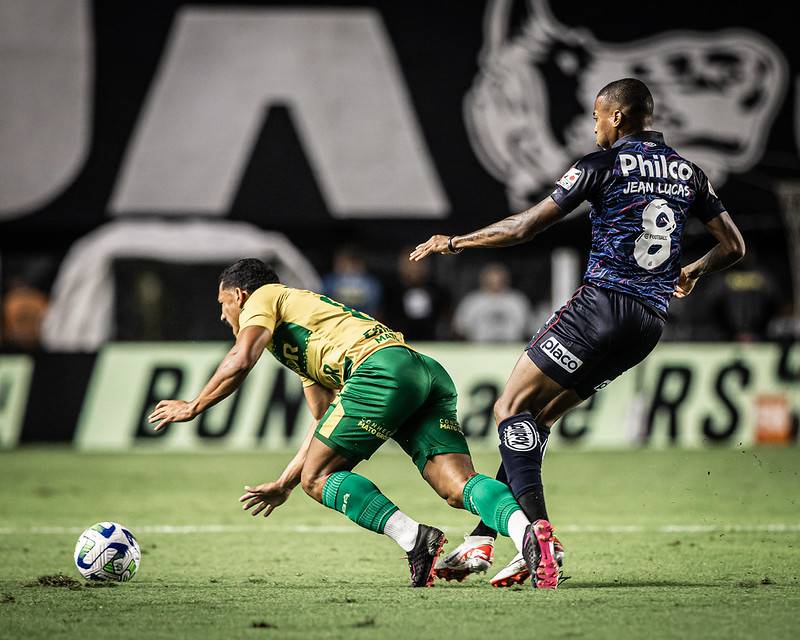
x: 321, y: 340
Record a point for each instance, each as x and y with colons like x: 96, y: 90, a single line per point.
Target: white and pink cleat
x: 474, y: 555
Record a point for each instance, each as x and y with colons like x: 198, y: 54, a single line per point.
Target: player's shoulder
x: 699, y: 176
x: 598, y: 160
x: 676, y: 156
x: 590, y: 171
x: 272, y: 289
x: 697, y: 170
x: 265, y: 294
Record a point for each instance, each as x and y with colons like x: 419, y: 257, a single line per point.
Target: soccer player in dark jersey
x: 641, y: 193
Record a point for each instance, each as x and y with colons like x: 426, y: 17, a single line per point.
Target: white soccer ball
x: 107, y: 551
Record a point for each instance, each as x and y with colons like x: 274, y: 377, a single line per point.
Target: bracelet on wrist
x: 450, y: 246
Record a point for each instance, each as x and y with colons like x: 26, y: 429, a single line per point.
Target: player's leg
x: 475, y: 554
x: 597, y: 338
x: 380, y: 395
x: 538, y: 392
x: 525, y: 411
x: 547, y: 417
x: 523, y: 435
x: 480, y: 542
x: 434, y: 440
x: 453, y: 477
x: 328, y: 478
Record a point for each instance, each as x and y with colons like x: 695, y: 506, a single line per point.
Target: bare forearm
x: 729, y: 250
x: 226, y: 379
x: 290, y: 477
x: 516, y: 229
x: 504, y: 233
x: 719, y: 258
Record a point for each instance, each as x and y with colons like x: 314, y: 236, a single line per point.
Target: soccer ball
x: 107, y: 551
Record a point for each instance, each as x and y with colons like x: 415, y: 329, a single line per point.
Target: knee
x: 453, y: 491
x: 312, y: 482
x: 456, y: 498
x: 504, y: 408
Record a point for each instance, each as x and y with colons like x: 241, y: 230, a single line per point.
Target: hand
x: 685, y: 284
x: 168, y: 411
x: 436, y: 244
x: 267, y: 496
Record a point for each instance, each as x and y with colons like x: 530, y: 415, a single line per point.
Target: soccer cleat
x: 559, y: 550
x: 539, y: 555
x: 516, y: 571
x: 422, y: 558
x: 474, y: 555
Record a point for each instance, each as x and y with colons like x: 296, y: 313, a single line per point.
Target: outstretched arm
x: 266, y: 497
x: 231, y: 372
x: 318, y: 398
x: 727, y: 252
x: 515, y: 229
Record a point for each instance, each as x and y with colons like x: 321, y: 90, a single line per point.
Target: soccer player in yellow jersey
x: 363, y: 385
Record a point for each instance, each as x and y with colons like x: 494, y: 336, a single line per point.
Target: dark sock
x: 532, y: 503
x: 522, y: 447
x: 485, y: 530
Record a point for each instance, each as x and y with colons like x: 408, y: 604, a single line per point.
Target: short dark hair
x: 630, y: 94
x: 248, y: 274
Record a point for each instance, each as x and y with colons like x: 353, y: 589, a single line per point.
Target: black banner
x: 488, y: 100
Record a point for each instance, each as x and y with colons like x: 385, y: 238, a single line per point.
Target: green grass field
x: 652, y: 545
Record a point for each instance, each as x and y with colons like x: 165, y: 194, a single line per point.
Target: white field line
x: 316, y: 529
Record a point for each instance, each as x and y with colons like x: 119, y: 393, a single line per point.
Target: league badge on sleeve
x: 569, y: 179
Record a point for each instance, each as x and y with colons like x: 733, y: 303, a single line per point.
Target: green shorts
x: 400, y: 394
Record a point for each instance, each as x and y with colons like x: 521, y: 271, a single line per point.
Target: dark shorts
x: 597, y: 335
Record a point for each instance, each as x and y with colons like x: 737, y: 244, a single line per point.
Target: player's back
x: 318, y: 338
x: 641, y: 192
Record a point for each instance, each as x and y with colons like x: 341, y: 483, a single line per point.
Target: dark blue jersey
x: 640, y: 192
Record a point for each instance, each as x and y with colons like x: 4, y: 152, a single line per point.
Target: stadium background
x: 143, y: 148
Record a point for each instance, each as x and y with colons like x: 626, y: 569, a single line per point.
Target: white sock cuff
x: 517, y: 524
x: 402, y: 529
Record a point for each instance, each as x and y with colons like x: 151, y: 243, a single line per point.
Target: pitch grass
x: 272, y: 581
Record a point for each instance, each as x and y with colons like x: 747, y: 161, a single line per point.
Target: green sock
x: 358, y: 499
x: 491, y: 500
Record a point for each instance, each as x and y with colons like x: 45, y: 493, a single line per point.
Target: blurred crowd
x: 483, y: 301
x: 743, y: 304
x: 24, y: 290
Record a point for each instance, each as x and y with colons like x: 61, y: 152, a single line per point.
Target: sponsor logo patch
x: 520, y: 436
x: 377, y: 430
x: 602, y: 385
x: 559, y: 354
x: 450, y: 425
x: 655, y: 166
x: 569, y: 179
